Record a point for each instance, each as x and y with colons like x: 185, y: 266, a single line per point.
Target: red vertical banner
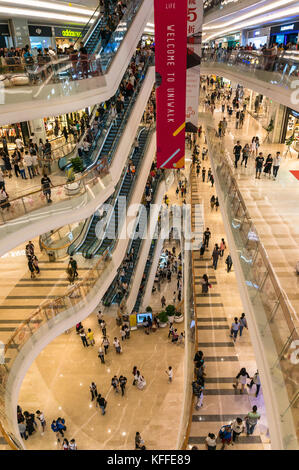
x: 171, y: 63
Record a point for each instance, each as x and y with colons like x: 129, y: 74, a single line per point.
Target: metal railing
x: 280, y: 69
x: 191, y: 335
x: 276, y: 319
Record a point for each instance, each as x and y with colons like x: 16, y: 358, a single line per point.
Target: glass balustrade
x: 210, y: 6
x: 33, y: 78
x: 281, y: 69
x: 98, y: 169
x: 276, y: 320
x: 42, y: 321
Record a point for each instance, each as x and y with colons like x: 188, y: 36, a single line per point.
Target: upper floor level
x: 66, y: 83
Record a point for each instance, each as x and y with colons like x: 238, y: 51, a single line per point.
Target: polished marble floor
x: 224, y: 358
x: 58, y: 383
x: 272, y: 205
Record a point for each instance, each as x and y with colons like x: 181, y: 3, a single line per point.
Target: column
x: 37, y: 127
x: 276, y: 136
x: 19, y: 31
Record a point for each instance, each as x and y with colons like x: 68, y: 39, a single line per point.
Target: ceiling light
x: 50, y: 6
x: 255, y: 12
x: 255, y: 21
x: 43, y: 14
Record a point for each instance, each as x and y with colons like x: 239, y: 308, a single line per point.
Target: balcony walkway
x: 223, y: 358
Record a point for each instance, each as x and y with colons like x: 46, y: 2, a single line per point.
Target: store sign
x: 289, y: 27
x: 67, y: 33
x: 170, y: 57
x: 285, y: 27
x: 194, y: 36
x: 4, y: 30
x: 43, y: 31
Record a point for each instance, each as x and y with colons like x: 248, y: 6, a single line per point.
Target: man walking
x: 276, y: 164
x: 251, y: 420
x: 102, y: 403
x: 206, y: 235
x: 74, y: 266
x: 242, y: 323
x: 229, y: 263
x: 122, y: 383
x: 46, y: 187
x: 255, y: 381
x: 259, y: 161
x: 197, y: 388
x: 237, y: 153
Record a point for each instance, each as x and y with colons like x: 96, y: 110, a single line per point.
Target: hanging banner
x: 170, y: 57
x: 194, y: 32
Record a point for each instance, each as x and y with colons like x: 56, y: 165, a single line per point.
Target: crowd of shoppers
x: 235, y: 107
x: 44, y: 63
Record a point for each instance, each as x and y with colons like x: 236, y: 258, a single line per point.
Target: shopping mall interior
x: 149, y: 235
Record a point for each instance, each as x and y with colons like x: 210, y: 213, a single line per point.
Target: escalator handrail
x: 124, y: 116
x: 86, y: 31
x: 156, y: 184
x: 95, y: 246
x: 105, y: 161
x: 77, y: 243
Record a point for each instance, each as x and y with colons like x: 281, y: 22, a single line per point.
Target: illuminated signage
x: 287, y: 28
x: 70, y: 33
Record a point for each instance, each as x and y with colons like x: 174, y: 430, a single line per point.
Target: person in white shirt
x: 141, y: 383
x: 19, y: 143
x: 169, y: 372
x: 276, y: 164
x: 28, y: 164
x: 211, y: 441
x: 41, y: 418
x: 86, y: 146
x: 72, y: 445
x: 117, y: 346
x: 35, y: 164
x: 33, y: 138
x: 237, y: 428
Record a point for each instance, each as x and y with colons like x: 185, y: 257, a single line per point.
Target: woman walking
x: 222, y: 247
x: 205, y: 284
x: 241, y: 378
x: 268, y: 165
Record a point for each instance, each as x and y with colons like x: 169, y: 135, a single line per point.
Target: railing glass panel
x: 277, y: 322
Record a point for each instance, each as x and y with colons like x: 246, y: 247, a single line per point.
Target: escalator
x: 113, y: 294
x: 108, y: 133
x: 91, y: 245
x: 71, y: 83
x: 146, y: 272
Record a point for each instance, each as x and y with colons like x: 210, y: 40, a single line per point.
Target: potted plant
x: 72, y: 187
x: 163, y: 317
x: 170, y: 310
x: 179, y: 317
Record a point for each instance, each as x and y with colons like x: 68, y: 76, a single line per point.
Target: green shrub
x: 170, y: 310
x: 163, y: 317
x: 149, y: 309
x: 77, y: 164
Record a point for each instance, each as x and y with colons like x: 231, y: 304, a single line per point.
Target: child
x: 170, y: 374
x: 90, y: 337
